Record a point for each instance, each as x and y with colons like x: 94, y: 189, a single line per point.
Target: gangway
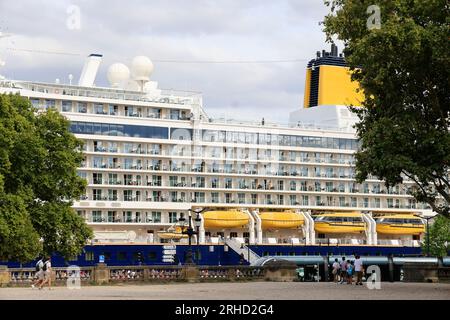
x: 241, y: 249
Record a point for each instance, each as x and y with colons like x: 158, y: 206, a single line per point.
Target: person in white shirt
x: 39, y: 273
x: 47, y: 269
x: 358, y: 270
x: 336, y: 268
x: 343, y: 270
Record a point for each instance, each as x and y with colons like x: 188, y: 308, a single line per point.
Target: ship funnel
x: 90, y: 69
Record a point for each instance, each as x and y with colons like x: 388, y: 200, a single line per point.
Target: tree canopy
x: 402, y: 66
x: 38, y: 181
x: 439, y: 237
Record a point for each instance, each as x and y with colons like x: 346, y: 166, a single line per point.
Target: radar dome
x: 141, y: 68
x: 117, y: 74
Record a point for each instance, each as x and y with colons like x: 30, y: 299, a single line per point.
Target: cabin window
x: 89, y: 256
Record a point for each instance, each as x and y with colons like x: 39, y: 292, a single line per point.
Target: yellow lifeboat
x: 341, y: 222
x: 400, y: 224
x: 225, y: 219
x: 280, y: 220
x: 172, y: 234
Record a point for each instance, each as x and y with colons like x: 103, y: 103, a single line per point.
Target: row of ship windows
x: 226, y: 152
x: 212, y: 136
x: 112, y: 109
x: 216, y: 167
x: 229, y: 183
x: 243, y: 198
x: 131, y: 216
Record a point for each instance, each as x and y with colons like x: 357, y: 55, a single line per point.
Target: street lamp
x: 428, y: 231
x: 197, y: 223
x: 190, y: 232
x: 428, y: 235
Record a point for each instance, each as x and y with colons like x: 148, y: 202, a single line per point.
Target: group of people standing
x: 345, y: 270
x: 43, y: 273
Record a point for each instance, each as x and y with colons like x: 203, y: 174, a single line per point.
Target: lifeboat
x: 341, y: 222
x: 280, y: 220
x: 172, y: 234
x: 226, y: 219
x: 400, y: 224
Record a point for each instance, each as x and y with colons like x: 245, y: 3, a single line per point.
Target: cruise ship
x: 154, y: 159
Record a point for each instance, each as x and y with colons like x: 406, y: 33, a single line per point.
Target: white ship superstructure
x: 152, y: 155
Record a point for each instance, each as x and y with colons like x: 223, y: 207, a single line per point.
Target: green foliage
x: 439, y: 237
x: 403, y: 69
x: 38, y: 180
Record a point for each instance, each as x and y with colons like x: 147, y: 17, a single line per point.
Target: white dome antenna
x: 141, y: 69
x: 118, y: 74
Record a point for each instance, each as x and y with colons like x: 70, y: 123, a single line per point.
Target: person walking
x: 336, y: 268
x: 47, y: 269
x: 343, y: 270
x: 39, y: 274
x: 358, y: 270
x: 350, y: 272
x: 241, y: 259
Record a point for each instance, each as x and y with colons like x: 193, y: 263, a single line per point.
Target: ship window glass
x: 105, y: 129
x: 66, y: 106
x: 97, y: 128
x: 120, y: 130
x: 89, y: 256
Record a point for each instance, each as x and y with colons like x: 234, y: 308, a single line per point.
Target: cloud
x: 175, y: 30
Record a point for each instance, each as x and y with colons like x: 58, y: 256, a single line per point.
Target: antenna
x: 70, y: 78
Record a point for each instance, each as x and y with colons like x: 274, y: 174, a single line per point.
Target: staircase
x: 240, y: 248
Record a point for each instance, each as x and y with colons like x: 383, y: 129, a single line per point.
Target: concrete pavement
x: 236, y: 290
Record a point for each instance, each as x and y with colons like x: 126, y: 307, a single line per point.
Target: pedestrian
x: 336, y: 268
x: 343, y: 270
x: 350, y: 272
x: 358, y: 270
x: 39, y: 274
x: 47, y: 269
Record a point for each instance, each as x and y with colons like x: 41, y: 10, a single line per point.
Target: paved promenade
x: 237, y: 290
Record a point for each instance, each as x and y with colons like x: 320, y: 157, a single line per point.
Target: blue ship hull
x: 126, y: 255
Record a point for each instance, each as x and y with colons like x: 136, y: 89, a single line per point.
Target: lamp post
x: 428, y: 235
x: 197, y: 223
x: 190, y: 232
x: 428, y: 231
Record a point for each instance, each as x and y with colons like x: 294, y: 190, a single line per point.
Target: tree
x: 439, y: 237
x: 403, y: 70
x: 38, y: 182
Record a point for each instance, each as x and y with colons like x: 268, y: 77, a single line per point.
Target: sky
x: 50, y: 40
